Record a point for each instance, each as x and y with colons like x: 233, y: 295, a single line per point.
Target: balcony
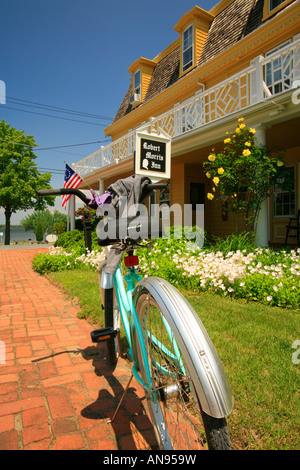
x: 261, y: 81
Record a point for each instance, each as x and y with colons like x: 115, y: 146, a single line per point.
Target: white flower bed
x: 216, y: 272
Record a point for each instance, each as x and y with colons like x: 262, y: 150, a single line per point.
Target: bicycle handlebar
x: 84, y: 198
x: 62, y: 191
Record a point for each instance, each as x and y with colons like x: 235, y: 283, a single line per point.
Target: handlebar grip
x: 48, y: 192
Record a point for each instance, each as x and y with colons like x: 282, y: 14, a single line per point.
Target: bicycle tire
x: 175, y: 410
x: 111, y: 317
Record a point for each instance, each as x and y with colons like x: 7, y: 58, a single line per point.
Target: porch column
x: 101, y: 187
x: 263, y: 222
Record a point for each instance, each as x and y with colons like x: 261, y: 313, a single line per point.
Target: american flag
x: 72, y: 180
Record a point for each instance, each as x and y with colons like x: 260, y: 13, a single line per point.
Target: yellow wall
x: 230, y: 62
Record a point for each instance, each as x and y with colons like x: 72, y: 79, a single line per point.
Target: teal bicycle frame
x: 130, y: 320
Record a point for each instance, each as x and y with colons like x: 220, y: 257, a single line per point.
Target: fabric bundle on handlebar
x: 135, y: 189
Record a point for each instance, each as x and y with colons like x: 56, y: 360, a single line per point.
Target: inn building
x: 240, y: 59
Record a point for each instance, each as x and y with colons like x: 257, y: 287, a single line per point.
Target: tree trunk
x: 7, y: 226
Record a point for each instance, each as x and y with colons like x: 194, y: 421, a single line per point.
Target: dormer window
x: 193, y: 29
x: 141, y: 72
x: 137, y: 83
x: 271, y: 7
x: 187, y: 48
x: 275, y: 3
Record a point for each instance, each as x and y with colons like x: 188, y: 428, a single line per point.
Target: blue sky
x: 74, y: 55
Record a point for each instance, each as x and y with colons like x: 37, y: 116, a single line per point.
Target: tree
x: 244, y: 173
x: 46, y: 218
x: 19, y: 177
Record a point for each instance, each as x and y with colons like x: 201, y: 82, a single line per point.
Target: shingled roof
x: 165, y: 74
x: 226, y: 29
x: 237, y: 20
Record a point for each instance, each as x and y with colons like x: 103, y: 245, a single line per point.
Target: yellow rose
x: 214, y: 190
x: 246, y: 153
x: 248, y: 144
x: 208, y: 174
x: 238, y: 130
x: 210, y: 196
x: 216, y: 180
x: 211, y: 157
x: 241, y: 119
x: 242, y: 126
x: 252, y: 130
x: 226, y: 141
x: 221, y: 171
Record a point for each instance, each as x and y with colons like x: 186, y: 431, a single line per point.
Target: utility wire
x: 74, y: 145
x: 34, y: 104
x: 55, y: 117
x: 57, y: 147
x: 52, y: 169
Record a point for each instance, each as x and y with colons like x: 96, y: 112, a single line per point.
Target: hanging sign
x: 153, y: 155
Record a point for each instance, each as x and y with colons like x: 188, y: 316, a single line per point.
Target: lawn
x: 254, y: 342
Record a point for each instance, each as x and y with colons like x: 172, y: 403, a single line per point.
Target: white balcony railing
x: 266, y: 77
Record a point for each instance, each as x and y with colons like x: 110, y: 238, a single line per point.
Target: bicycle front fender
x: 202, y: 361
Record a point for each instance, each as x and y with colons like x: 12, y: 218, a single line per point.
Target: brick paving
x: 56, y: 389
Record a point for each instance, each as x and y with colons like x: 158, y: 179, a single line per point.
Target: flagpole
x: 68, y: 218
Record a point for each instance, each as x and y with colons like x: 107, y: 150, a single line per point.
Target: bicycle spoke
x: 173, y: 397
x: 171, y: 386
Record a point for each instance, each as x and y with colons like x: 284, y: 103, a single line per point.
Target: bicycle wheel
x: 169, y: 326
x: 111, y: 313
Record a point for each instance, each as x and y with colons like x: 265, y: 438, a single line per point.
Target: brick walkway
x: 56, y: 389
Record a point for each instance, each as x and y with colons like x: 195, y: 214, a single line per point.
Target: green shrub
x: 39, y: 232
x: 244, y: 241
x: 74, y: 240
x: 45, y: 262
x: 60, y: 227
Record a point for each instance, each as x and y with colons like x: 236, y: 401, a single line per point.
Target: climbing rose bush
x: 244, y: 173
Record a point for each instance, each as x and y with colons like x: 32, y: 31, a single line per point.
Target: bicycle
x: 172, y: 356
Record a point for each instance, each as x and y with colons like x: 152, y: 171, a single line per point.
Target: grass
x: 254, y: 342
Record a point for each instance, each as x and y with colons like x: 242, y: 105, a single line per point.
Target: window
x: 187, y: 48
x: 284, y: 200
x: 278, y: 71
x: 275, y: 3
x: 137, y: 83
